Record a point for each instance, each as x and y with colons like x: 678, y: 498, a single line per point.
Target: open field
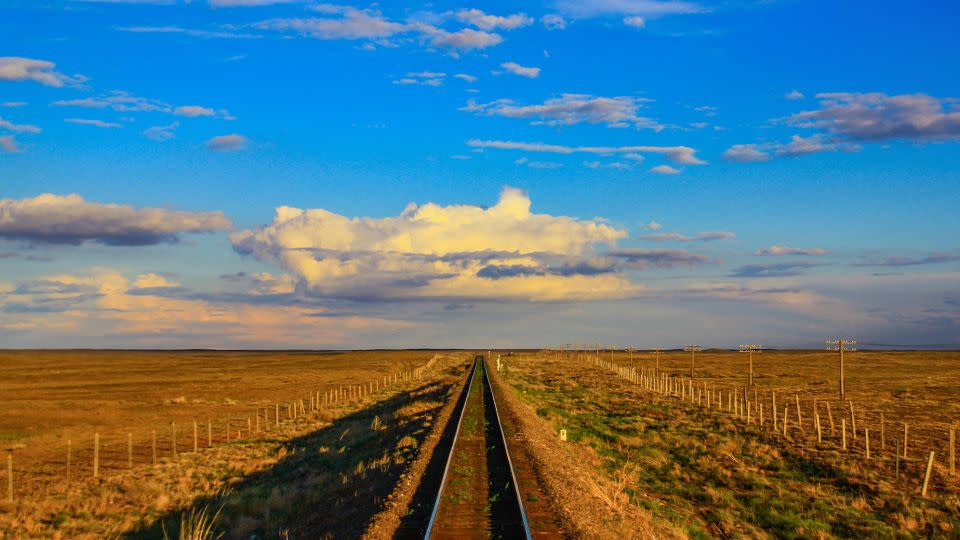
x: 50, y: 397
x: 710, y: 473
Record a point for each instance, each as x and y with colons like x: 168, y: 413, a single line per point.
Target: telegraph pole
x: 841, y: 345
x: 693, y: 355
x: 751, y: 348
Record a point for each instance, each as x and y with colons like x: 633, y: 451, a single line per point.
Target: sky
x: 637, y: 173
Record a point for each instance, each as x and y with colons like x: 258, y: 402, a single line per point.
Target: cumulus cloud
x: 570, y: 109
x: 677, y: 154
x: 442, y: 252
x: 345, y: 23
x: 776, y: 250
x: 227, y: 143
x: 635, y: 21
x: 463, y: 40
x: 522, y: 71
x: 15, y: 68
x: 69, y: 219
x: 92, y: 122
x: 794, y: 95
x: 553, y: 21
x: 18, y: 128
x: 746, y: 153
x: 487, y: 22
x: 879, y: 117
x: 707, y: 236
x: 665, y: 169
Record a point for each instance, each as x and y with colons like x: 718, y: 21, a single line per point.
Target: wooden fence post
x: 196, y: 438
x: 816, y: 421
x: 785, y: 409
x: 830, y: 418
x: 843, y: 432
x: 173, y: 437
x: 952, y: 452
x: 866, y: 440
x: 904, y: 440
x: 799, y: 414
x: 209, y: 433
x: 853, y: 421
x: 883, y: 438
x: 10, y: 477
x: 926, y: 475
x: 96, y: 455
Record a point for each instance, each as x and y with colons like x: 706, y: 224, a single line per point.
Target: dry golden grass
x: 55, y: 395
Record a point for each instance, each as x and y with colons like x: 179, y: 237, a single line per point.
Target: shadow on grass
x: 328, y: 483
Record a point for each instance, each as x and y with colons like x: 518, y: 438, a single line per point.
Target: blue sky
x: 639, y: 172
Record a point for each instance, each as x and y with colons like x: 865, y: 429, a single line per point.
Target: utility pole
x: 693, y: 355
x: 842, y: 345
x: 751, y: 348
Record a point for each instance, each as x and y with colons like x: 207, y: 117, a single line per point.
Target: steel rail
x: 506, y: 450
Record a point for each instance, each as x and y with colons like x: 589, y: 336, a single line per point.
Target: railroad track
x: 478, y: 495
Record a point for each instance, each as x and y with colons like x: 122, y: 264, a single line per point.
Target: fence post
x: 173, y: 433
x: 96, y: 455
x: 10, y: 477
x: 843, y: 432
x: 196, y: 439
x: 129, y: 450
x: 866, y: 440
x: 904, y: 440
x: 952, y: 452
x: 926, y: 475
x: 853, y: 421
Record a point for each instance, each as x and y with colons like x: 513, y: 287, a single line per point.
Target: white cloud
x: 635, y: 21
x: 653, y: 226
x: 18, y: 128
x: 9, y: 144
x: 161, y: 133
x: 776, y: 250
x: 580, y: 9
x: 794, y: 95
x: 117, y: 101
x: 349, y: 23
x: 523, y: 71
x: 544, y: 165
x: 91, y: 122
x: 879, y: 117
x: 745, y: 153
x: 13, y: 104
x: 443, y: 252
x: 15, y: 68
x: 192, y: 111
x: 466, y: 77
x: 227, y: 143
x: 422, y: 78
x: 553, y: 21
x: 487, y: 22
x: 249, y: 3
x: 570, y: 109
x: 467, y: 39
x: 69, y: 219
x: 677, y: 154
x: 665, y: 169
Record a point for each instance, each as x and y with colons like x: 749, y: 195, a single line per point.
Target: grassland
x: 709, y: 475
x: 267, y: 485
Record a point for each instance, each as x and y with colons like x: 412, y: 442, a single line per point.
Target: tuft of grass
x: 197, y: 524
